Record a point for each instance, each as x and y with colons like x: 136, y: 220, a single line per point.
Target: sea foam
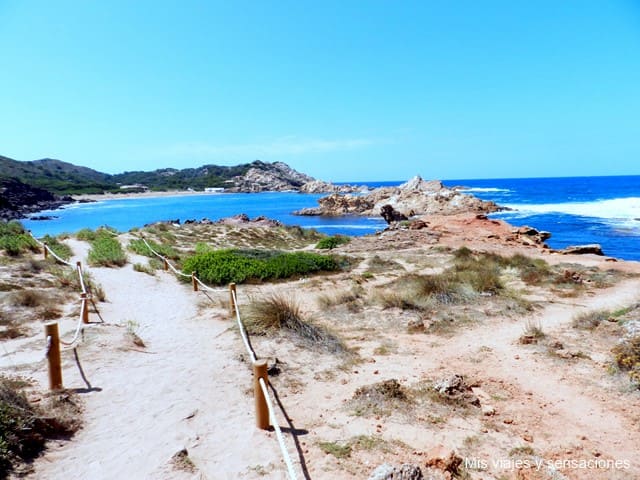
x: 612, y: 209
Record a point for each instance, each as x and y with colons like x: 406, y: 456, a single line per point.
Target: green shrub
x: 61, y: 249
x: 15, y: 240
x: 329, y: 243
x: 106, y: 251
x: 225, y: 266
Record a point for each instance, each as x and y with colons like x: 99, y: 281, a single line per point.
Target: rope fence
x: 261, y: 391
x: 52, y: 335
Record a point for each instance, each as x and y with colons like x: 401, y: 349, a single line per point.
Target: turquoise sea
x: 576, y: 210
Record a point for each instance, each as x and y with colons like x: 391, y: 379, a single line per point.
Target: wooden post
x: 46, y: 252
x: 53, y: 355
x: 85, y: 307
x: 165, y: 264
x: 194, y: 282
x: 232, y: 299
x: 262, y: 412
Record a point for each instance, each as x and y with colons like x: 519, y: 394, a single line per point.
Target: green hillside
x: 64, y: 178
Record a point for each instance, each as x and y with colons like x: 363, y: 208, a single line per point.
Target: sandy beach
x: 148, y: 194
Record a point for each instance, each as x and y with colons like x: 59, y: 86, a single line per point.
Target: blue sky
x: 341, y: 90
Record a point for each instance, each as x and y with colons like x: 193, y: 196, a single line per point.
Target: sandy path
x: 187, y: 390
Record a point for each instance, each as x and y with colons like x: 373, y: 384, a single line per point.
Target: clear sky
x: 342, y: 90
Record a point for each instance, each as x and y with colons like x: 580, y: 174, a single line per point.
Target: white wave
x: 613, y: 209
x: 484, y: 189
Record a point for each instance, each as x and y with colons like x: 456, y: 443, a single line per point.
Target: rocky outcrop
x: 274, y: 177
x: 391, y: 215
x: 593, y: 248
x: 18, y: 199
x: 335, y: 205
x: 530, y: 236
x: 415, y: 197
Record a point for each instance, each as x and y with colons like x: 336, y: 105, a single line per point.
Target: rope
x: 81, y: 277
x: 78, y: 327
x: 54, y: 255
x: 265, y: 391
x: 206, y: 287
x: 276, y: 427
x: 162, y: 257
x: 243, y: 333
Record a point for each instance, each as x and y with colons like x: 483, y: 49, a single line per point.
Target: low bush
x: 329, y: 243
x: 225, y: 266
x: 627, y: 356
x: 15, y: 240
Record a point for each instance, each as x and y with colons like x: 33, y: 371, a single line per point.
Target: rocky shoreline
x: 19, y: 199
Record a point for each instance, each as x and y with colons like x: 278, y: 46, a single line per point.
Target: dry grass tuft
x: 380, y: 399
x: 24, y: 427
x: 590, y: 320
x: 532, y: 332
x: 29, y: 298
x: 280, y: 312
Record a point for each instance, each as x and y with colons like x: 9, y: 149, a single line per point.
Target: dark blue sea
x: 576, y: 210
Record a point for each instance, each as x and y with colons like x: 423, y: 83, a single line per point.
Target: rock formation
x: 277, y: 177
x: 415, y: 197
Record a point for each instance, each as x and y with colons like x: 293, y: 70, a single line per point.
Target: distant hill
x: 64, y: 178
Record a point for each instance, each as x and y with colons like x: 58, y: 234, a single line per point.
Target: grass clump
x: 29, y: 298
x: 106, y: 251
x: 24, y: 428
x: 139, y: 267
x: 336, y: 449
x: 329, y: 243
x: 532, y: 332
x: 278, y: 312
x: 590, y: 320
x: 138, y: 246
x: 15, y: 240
x: 380, y: 399
x: 238, y: 266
